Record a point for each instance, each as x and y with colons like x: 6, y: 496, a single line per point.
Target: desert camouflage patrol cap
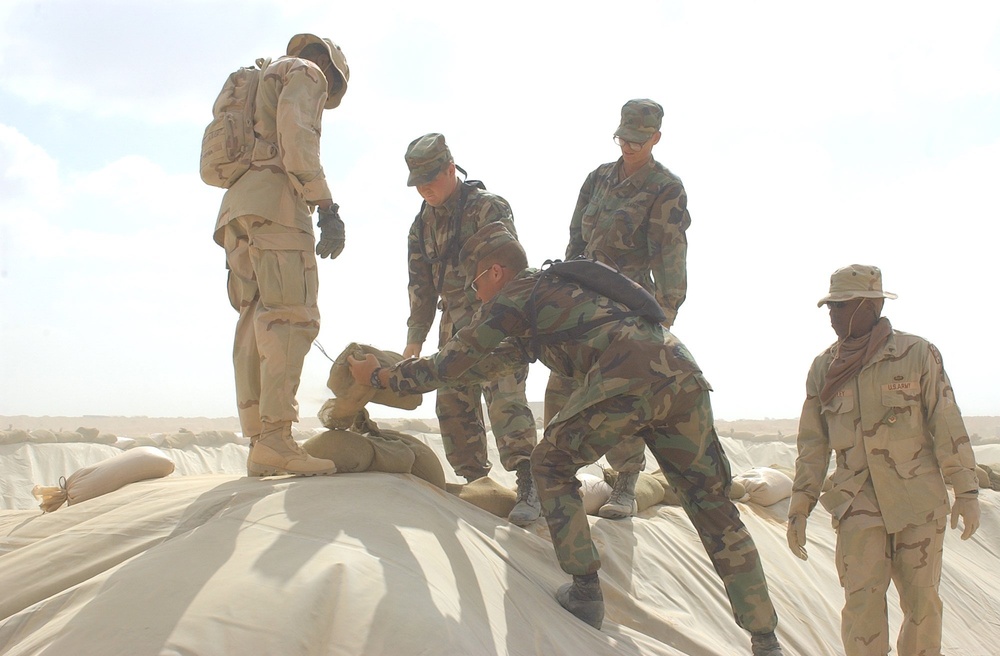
x: 855, y: 281
x: 300, y: 41
x: 486, y: 241
x: 426, y: 156
x: 641, y: 118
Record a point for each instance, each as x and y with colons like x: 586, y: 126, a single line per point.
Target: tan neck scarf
x: 852, y: 354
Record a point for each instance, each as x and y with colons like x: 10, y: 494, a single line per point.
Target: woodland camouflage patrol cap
x: 641, y: 118
x: 486, y: 241
x: 426, y: 156
x: 855, y: 281
x: 300, y: 41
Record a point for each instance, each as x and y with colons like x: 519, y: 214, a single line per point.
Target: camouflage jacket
x: 630, y: 355
x: 442, y: 283
x: 896, y: 425
x: 639, y: 223
x: 288, y: 114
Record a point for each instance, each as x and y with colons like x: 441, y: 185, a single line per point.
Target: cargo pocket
x: 286, y: 268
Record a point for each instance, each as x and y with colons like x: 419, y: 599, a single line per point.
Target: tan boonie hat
x: 483, y: 243
x: 641, y: 118
x: 855, y: 281
x: 300, y: 41
x: 426, y: 156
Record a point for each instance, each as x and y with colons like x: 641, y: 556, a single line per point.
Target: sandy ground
x: 984, y: 430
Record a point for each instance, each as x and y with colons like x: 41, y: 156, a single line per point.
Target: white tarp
x: 386, y: 564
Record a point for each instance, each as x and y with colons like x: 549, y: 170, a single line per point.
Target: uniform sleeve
x: 952, y: 446
x: 476, y: 347
x: 421, y: 291
x: 298, y: 118
x: 667, y: 244
x: 813, y: 443
x: 577, y: 245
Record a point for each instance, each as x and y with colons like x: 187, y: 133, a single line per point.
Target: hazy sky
x: 808, y: 135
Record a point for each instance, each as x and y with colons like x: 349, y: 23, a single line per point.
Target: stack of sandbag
x: 486, y: 493
x: 989, y: 476
x: 764, y: 486
x: 350, y: 397
x: 364, y: 446
x: 138, y: 464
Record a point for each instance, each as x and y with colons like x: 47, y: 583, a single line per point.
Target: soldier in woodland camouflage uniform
x: 265, y: 226
x: 635, y: 378
x: 451, y: 212
x: 631, y: 213
x: 881, y: 400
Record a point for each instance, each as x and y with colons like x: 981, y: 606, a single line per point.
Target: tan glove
x: 966, y: 507
x: 797, y: 536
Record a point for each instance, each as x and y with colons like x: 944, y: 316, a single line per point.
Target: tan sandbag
x: 392, y: 454
x: 595, y: 492
x: 764, y: 486
x: 983, y: 476
x: 993, y: 471
x: 43, y: 436
x: 737, y: 491
x: 648, y: 490
x: 487, y: 494
x: 670, y: 496
x: 138, y: 464
x: 348, y: 450
x: 426, y: 464
x: 14, y: 436
x: 342, y: 384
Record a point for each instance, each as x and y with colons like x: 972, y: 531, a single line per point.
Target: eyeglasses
x: 476, y: 279
x: 629, y: 145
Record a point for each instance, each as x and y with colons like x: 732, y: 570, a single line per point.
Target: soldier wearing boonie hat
x: 270, y: 206
x: 631, y: 213
x: 452, y: 210
x: 586, y: 335
x: 880, y: 399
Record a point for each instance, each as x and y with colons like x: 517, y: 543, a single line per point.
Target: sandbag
x: 993, y: 473
x: 670, y: 496
x: 487, y: 494
x: 342, y: 384
x: 764, y: 486
x: 366, y: 447
x: 138, y: 464
x: 983, y: 476
x: 648, y: 490
x: 595, y: 492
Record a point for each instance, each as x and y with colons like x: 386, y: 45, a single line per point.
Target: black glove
x: 331, y: 233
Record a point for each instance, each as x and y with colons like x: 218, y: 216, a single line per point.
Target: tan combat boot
x: 251, y: 470
x: 621, y: 504
x: 275, y: 453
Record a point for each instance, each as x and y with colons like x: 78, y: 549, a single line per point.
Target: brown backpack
x: 229, y: 144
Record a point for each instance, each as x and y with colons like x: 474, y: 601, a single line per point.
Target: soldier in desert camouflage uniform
x: 451, y: 212
x: 631, y: 213
x: 264, y: 225
x: 635, y: 379
x: 881, y: 400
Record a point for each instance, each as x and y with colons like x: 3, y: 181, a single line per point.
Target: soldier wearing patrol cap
x: 452, y: 210
x: 631, y: 213
x: 640, y: 380
x: 265, y: 226
x: 880, y: 399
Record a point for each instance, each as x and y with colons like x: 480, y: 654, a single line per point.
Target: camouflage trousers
x: 626, y: 457
x: 868, y: 558
x: 676, y: 423
x: 463, y: 432
x: 272, y: 284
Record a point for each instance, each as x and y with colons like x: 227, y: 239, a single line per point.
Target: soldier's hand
x: 968, y: 509
x: 411, y: 351
x: 331, y: 233
x: 361, y: 370
x: 797, y: 536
